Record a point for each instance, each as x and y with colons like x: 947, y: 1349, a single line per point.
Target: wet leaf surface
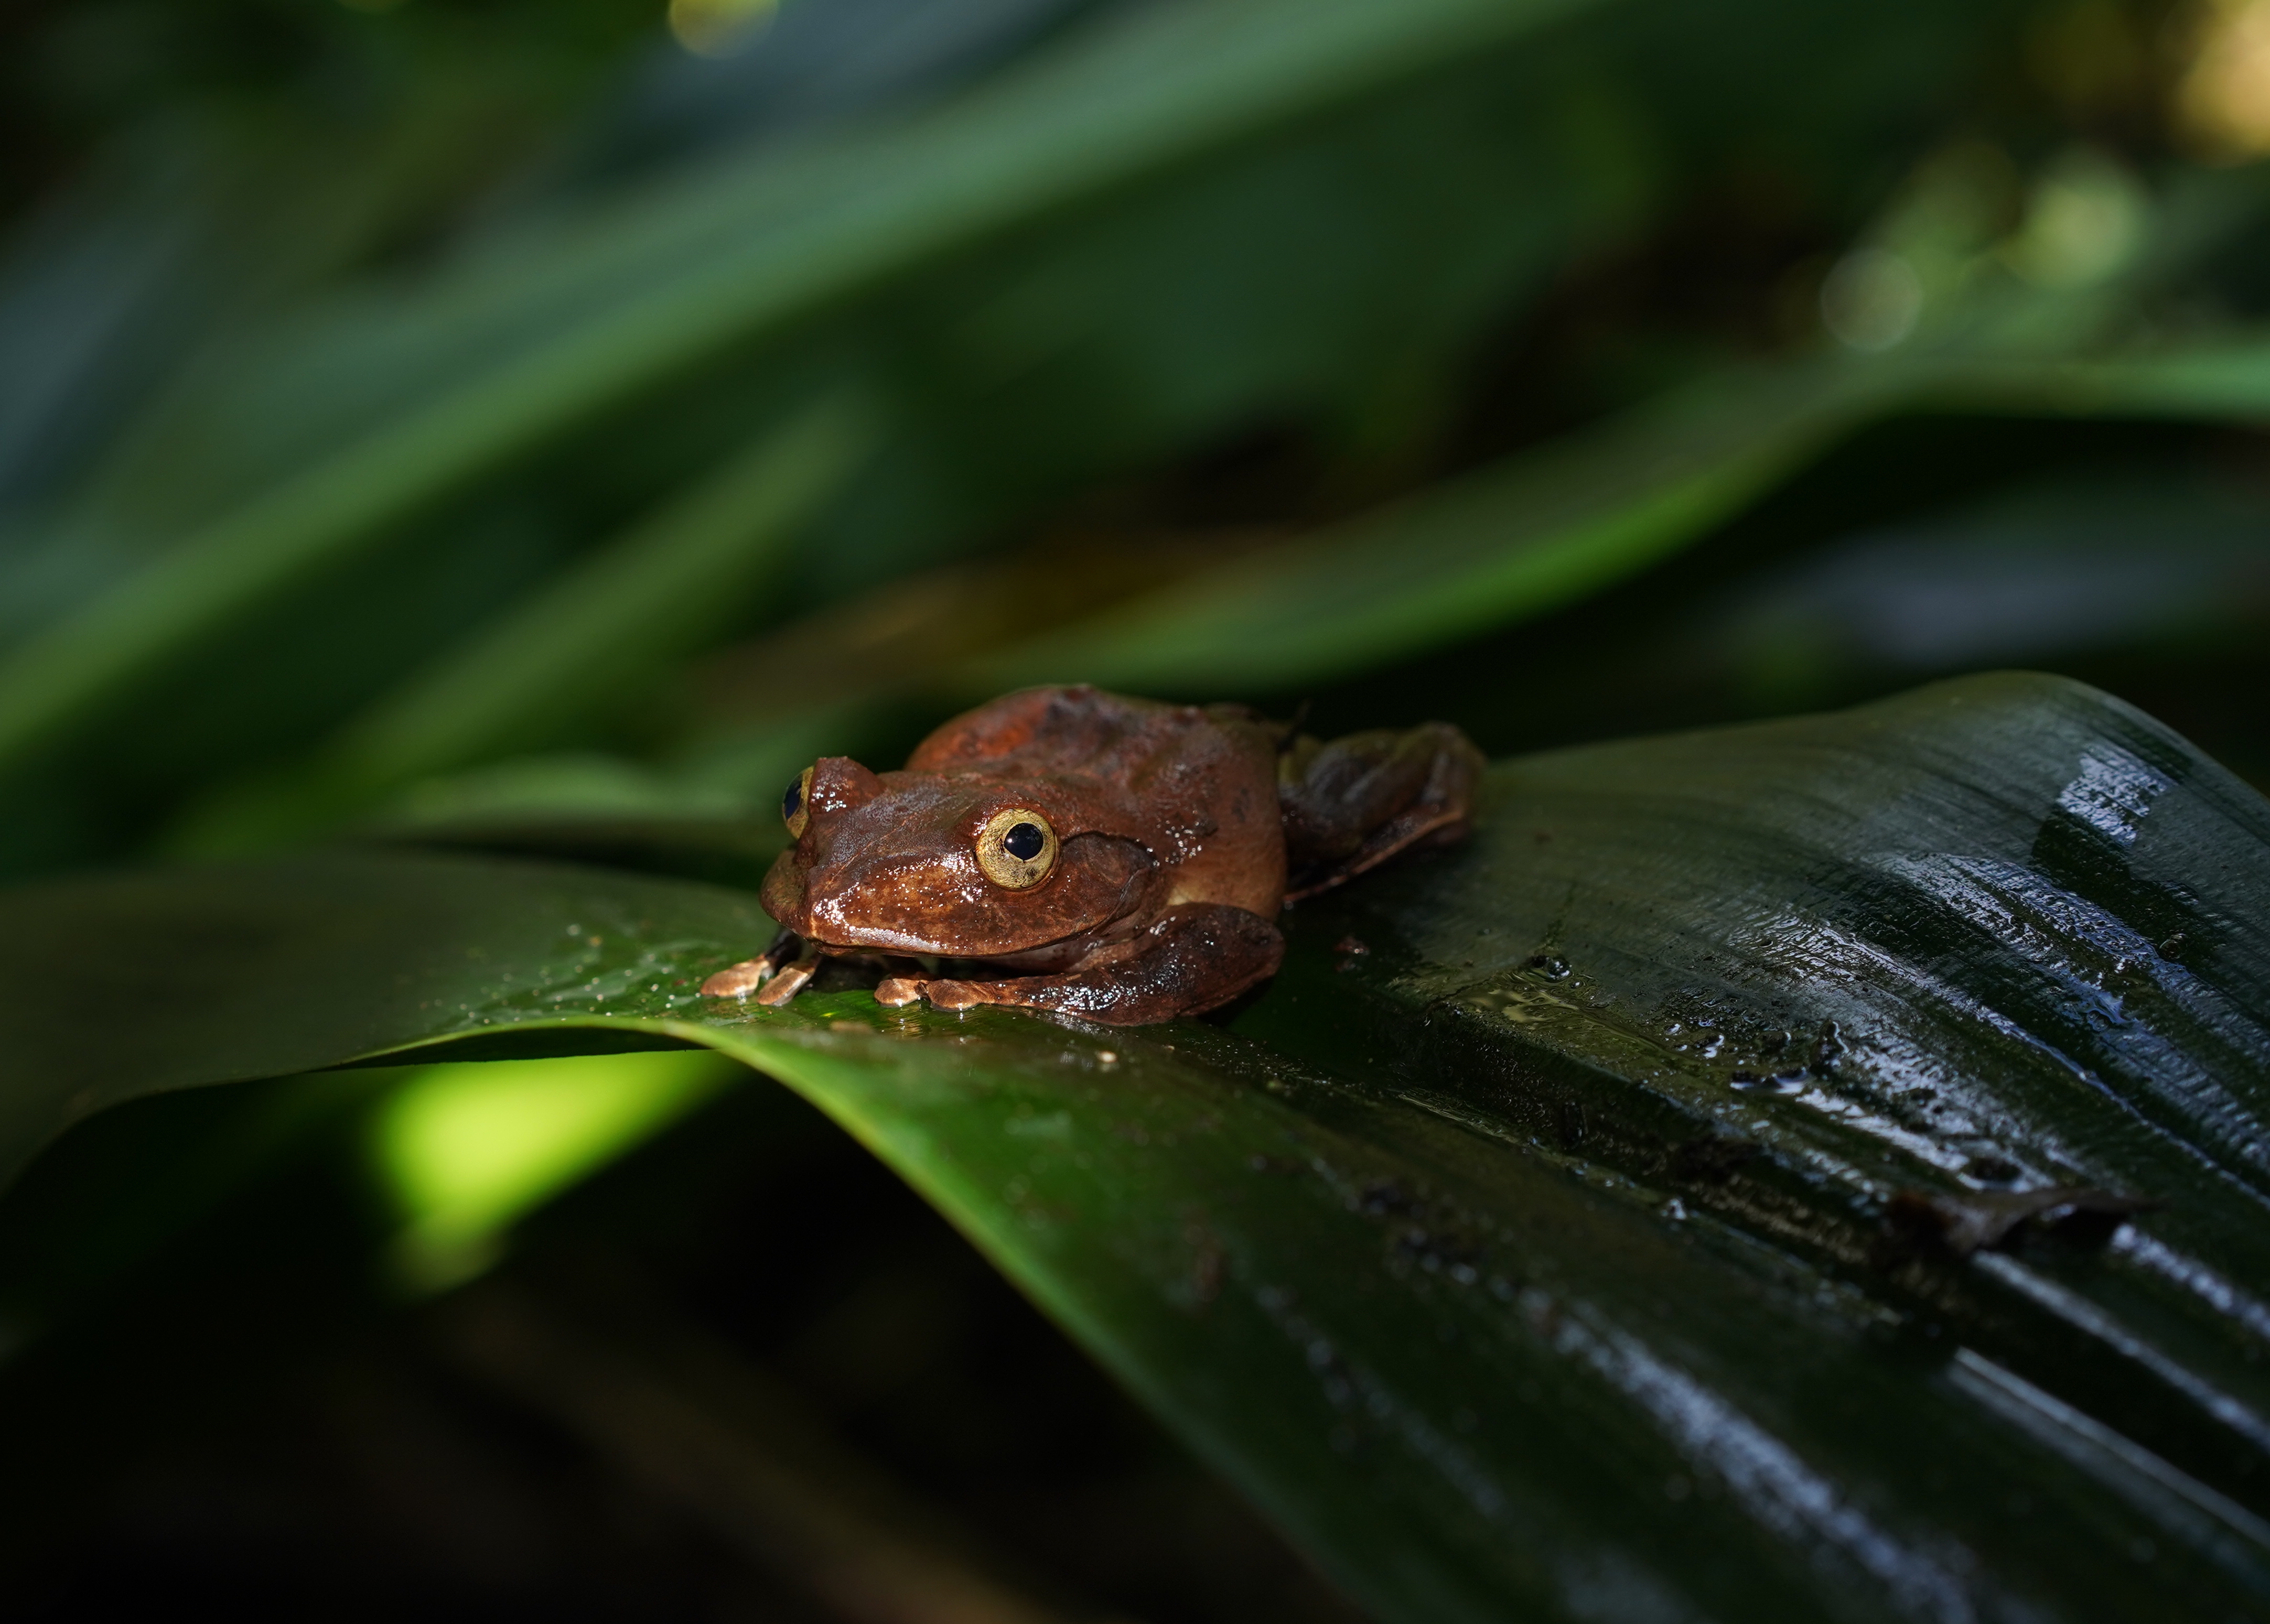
x: 1523, y: 1249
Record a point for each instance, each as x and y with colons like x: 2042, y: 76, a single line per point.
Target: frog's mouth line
x: 1053, y: 952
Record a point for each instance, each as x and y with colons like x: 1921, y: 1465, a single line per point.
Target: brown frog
x: 1070, y: 849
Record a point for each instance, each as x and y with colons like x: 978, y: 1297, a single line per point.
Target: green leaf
x: 1548, y: 527
x: 712, y: 267
x: 2228, y: 380
x: 1519, y: 538
x: 576, y: 647
x: 1523, y: 1249
x: 667, y: 585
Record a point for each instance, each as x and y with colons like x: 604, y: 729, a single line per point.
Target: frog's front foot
x: 738, y: 981
x: 774, y: 975
x: 789, y: 981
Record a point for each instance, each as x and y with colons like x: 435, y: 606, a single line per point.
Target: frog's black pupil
x: 792, y: 803
x: 1024, y: 841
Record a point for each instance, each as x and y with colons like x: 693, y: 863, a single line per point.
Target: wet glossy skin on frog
x: 890, y: 862
x: 1068, y: 849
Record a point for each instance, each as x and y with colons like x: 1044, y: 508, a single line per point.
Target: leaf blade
x: 1479, y: 1352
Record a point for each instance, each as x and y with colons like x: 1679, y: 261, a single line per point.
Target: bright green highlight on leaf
x: 466, y: 1149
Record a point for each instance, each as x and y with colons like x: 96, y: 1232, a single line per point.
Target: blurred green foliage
x: 398, y: 394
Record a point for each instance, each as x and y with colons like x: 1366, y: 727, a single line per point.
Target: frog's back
x: 1085, y: 732
x: 1196, y: 786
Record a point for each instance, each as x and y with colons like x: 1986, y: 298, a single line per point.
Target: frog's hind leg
x: 1357, y: 801
x: 1194, y: 957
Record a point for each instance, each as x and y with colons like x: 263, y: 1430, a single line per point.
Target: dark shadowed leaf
x: 1509, y: 543
x: 1619, y: 1217
x: 1561, y: 522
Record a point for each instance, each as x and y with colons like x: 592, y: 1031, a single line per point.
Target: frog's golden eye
x: 796, y: 805
x: 1017, y: 848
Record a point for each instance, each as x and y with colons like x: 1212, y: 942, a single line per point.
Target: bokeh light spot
x: 1871, y: 300
x: 2224, y: 98
x: 719, y: 27
x: 2085, y: 220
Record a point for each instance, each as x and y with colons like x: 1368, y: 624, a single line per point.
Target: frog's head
x: 959, y: 865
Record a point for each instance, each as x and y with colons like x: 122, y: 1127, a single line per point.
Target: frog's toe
x: 788, y: 983
x: 955, y: 995
x: 738, y: 981
x: 898, y: 991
